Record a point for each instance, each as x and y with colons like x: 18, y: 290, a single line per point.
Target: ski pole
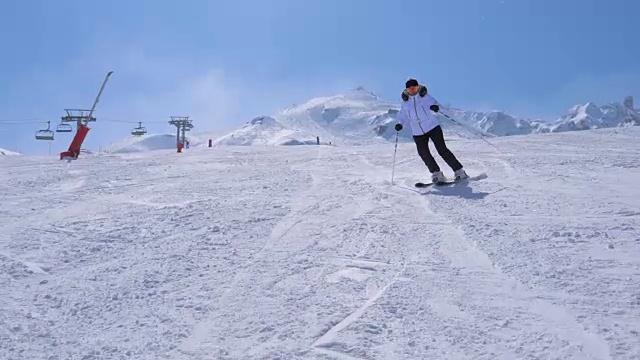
x: 394, y: 158
x: 468, y: 127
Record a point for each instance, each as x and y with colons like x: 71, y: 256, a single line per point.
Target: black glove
x: 434, y: 108
x: 398, y: 127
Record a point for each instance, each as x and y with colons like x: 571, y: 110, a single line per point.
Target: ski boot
x: 460, y: 175
x: 438, y: 178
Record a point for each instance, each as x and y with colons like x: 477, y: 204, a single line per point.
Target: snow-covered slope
x: 309, y: 252
x: 265, y: 130
x: 9, y: 153
x: 143, y: 143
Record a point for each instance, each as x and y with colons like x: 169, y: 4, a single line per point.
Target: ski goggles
x: 412, y: 88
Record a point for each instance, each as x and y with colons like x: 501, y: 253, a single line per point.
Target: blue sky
x: 223, y: 63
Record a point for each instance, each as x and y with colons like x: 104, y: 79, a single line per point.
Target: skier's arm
x: 433, y: 104
x: 401, y: 118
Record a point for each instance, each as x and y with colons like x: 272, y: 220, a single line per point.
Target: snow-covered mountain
x: 590, y: 116
x: 498, y: 123
x: 354, y: 117
x: 580, y: 117
x: 357, y: 117
x: 265, y: 130
x: 143, y: 143
x: 8, y: 153
x: 361, y: 117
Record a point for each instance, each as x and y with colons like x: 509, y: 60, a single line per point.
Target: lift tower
x: 82, y: 118
x: 182, y: 123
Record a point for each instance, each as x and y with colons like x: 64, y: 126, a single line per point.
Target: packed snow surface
x: 311, y: 253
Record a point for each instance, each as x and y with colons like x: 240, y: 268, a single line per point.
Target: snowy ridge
x: 254, y: 253
x: 8, y: 153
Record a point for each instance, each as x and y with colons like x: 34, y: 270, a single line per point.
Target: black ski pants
x: 436, y: 135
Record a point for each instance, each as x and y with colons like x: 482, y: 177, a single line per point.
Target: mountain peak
x: 360, y: 92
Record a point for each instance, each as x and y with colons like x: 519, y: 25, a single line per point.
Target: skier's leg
x: 438, y: 140
x: 422, y: 144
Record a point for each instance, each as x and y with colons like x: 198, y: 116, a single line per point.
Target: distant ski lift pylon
x: 64, y: 128
x: 139, y: 131
x: 46, y: 134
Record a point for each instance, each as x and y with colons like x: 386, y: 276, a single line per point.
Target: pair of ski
x: 451, y: 181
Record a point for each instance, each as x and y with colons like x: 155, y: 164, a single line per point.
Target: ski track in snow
x: 310, y: 253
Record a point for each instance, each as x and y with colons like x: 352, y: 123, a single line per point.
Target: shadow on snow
x: 461, y: 189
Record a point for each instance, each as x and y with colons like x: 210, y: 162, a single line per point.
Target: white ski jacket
x: 416, y: 112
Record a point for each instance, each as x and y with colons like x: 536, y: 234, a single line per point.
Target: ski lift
x: 139, y: 131
x: 64, y: 128
x: 46, y: 134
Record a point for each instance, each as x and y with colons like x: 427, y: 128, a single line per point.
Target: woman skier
x: 418, y: 110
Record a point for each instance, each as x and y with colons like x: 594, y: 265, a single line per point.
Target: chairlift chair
x: 46, y: 134
x: 64, y: 128
x: 139, y: 131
